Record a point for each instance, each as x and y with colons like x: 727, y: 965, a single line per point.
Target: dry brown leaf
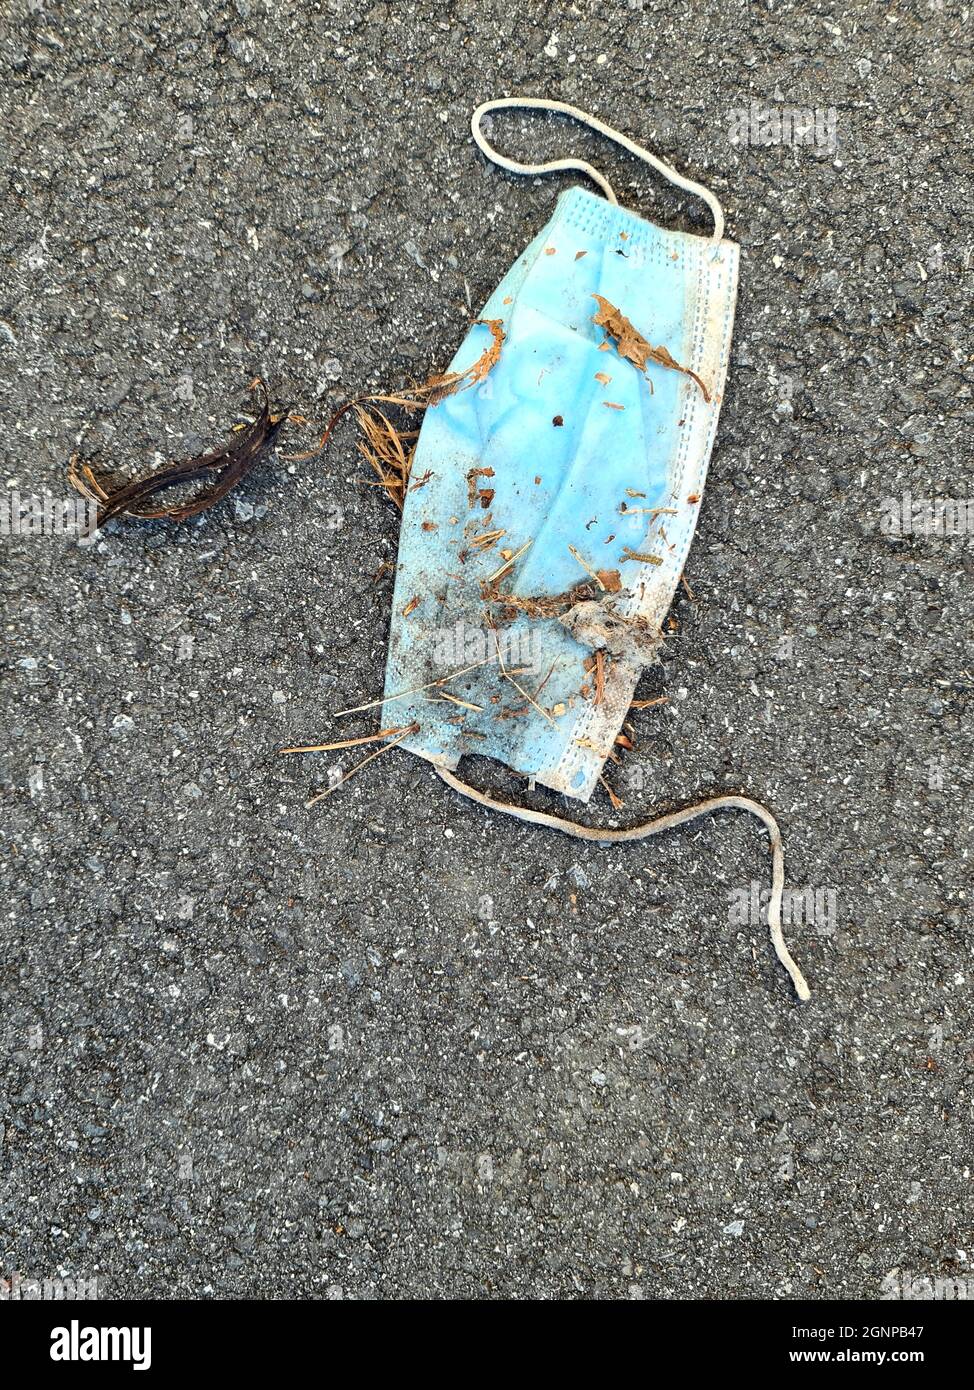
x: 436, y: 388
x: 631, y: 344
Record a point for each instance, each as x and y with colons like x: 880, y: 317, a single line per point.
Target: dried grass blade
x: 411, y: 729
x: 344, y: 742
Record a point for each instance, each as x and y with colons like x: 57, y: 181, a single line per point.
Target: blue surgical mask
x: 553, y: 501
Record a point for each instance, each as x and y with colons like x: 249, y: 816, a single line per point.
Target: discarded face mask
x: 552, y: 502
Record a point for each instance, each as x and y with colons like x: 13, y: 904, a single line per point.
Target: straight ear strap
x: 542, y: 104
x: 656, y: 827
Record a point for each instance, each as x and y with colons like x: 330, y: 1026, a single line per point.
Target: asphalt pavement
x: 394, y: 1046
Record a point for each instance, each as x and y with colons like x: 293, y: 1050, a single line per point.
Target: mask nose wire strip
x: 656, y: 827
x: 543, y: 104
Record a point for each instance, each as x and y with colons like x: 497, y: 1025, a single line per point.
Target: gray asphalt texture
x: 394, y: 1046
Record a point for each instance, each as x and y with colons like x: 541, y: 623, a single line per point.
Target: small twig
x: 530, y: 699
x: 464, y: 704
x: 416, y: 690
x: 586, y: 567
x: 520, y: 689
x: 342, y: 743
x: 650, y: 511
x: 487, y: 539
x: 546, y: 679
x: 493, y: 578
x: 412, y: 729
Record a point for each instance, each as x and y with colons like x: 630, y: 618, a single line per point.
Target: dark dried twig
x: 388, y: 449
x: 226, y: 466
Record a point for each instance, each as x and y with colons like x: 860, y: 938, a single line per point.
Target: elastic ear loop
x: 656, y: 827
x: 542, y: 104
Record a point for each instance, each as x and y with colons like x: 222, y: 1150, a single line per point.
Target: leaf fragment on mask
x: 473, y: 487
x: 437, y: 388
x: 592, y: 747
x: 631, y: 344
x: 643, y: 559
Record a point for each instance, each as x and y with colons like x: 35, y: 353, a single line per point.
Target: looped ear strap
x: 656, y: 827
x: 543, y: 104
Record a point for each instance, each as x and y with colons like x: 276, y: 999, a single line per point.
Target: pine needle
x: 530, y: 698
x: 617, y: 801
x: 342, y: 743
x: 416, y: 689
x: 493, y: 578
x: 586, y: 567
x: 412, y: 729
x: 464, y: 704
